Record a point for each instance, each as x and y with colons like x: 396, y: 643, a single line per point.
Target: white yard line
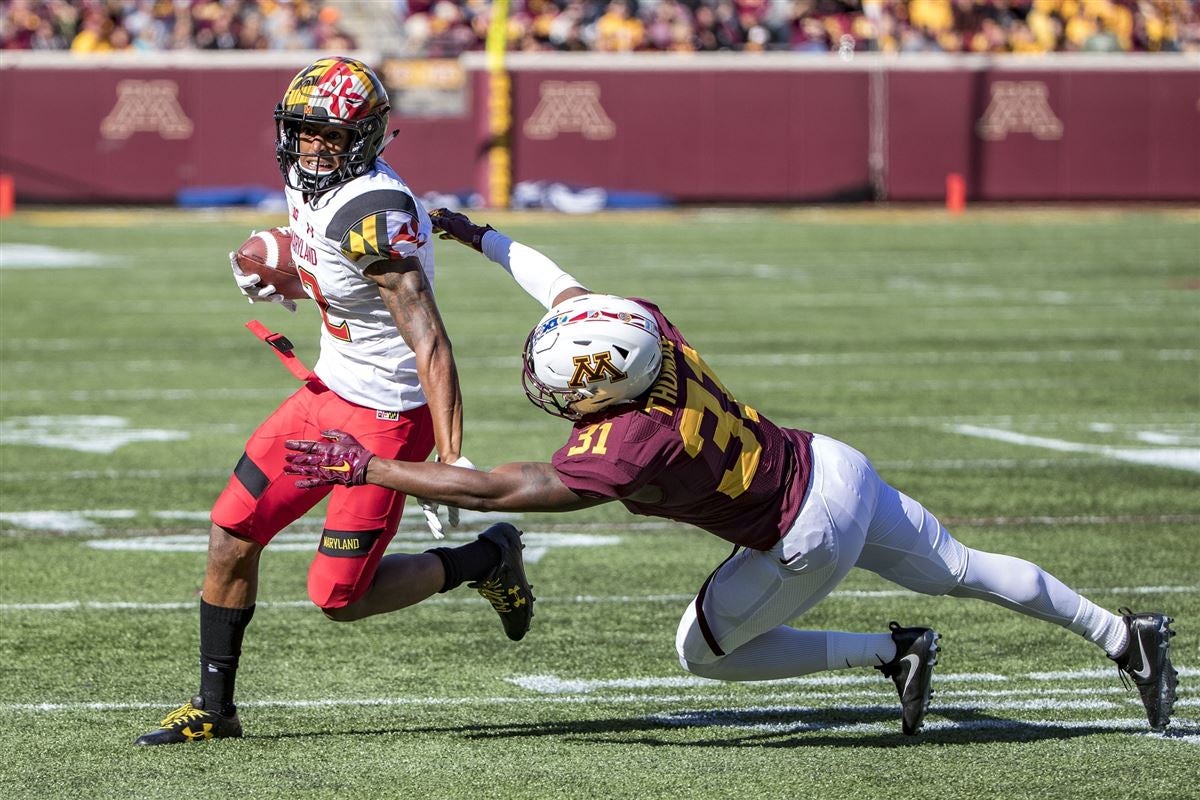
x: 579, y: 599
x: 730, y: 360
x: 84, y: 521
x: 753, y: 718
x: 553, y: 684
x: 945, y: 464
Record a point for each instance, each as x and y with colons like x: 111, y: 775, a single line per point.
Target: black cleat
x: 506, y: 587
x: 1147, y: 662
x: 912, y: 672
x: 192, y: 723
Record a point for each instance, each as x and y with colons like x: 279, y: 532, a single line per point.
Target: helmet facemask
x: 339, y: 92
x: 559, y: 402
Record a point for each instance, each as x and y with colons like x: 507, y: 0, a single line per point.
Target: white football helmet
x: 589, y: 353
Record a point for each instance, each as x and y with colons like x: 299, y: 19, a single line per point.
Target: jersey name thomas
x: 692, y: 453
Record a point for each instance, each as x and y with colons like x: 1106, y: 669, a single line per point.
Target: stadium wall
x: 697, y: 128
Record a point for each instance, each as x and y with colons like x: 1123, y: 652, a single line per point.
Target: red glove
x: 342, y: 460
x: 458, y: 227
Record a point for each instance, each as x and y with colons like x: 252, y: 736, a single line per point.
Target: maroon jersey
x: 691, y: 452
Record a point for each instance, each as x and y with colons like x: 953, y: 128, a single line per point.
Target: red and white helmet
x: 337, y: 91
x: 589, y: 353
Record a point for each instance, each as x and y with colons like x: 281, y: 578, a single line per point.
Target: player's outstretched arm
x: 524, y: 486
x: 533, y: 271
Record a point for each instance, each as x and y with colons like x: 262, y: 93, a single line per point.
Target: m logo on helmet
x: 594, y: 367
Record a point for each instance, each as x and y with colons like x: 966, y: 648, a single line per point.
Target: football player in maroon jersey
x: 655, y: 429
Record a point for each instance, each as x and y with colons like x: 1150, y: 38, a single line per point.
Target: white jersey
x: 336, y: 235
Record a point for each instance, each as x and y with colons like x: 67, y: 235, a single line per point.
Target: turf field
x: 1032, y: 375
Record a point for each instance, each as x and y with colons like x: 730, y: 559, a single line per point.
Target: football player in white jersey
x: 363, y: 247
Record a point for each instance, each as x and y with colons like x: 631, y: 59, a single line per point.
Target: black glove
x: 458, y: 227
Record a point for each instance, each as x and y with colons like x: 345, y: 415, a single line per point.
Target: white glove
x: 430, y: 508
x: 252, y: 291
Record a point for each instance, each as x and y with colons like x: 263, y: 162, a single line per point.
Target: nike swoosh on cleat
x: 1144, y: 672
x: 912, y: 670
x: 343, y: 467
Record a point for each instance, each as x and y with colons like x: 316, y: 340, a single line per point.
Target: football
x: 268, y: 254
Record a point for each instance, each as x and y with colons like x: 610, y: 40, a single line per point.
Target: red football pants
x: 260, y: 499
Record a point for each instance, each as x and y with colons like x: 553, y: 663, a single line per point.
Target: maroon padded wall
x: 704, y: 135
x: 183, y: 128
x: 789, y: 130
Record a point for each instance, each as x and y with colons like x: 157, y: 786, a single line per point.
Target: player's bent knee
x: 342, y: 613
x: 335, y: 585
x: 711, y: 670
x: 504, y: 526
x: 690, y: 644
x: 337, y: 601
x: 229, y: 551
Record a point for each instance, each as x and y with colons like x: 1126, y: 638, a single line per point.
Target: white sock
x: 782, y: 652
x: 843, y: 650
x: 1100, y: 627
x: 785, y: 652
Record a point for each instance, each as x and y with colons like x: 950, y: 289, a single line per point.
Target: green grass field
x: 1031, y: 375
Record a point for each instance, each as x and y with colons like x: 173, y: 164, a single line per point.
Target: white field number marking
x: 1167, y: 451
x: 85, y: 434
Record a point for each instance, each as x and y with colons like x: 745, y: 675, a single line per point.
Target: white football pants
x: 850, y: 518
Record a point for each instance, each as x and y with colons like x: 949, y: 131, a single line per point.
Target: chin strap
x: 283, y: 348
x: 388, y: 141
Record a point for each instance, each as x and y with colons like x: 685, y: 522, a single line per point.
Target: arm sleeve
x: 533, y: 271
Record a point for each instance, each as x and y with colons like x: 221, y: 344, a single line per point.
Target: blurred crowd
x: 445, y: 28
x: 98, y: 26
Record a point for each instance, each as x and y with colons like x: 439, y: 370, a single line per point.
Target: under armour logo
x: 204, y: 733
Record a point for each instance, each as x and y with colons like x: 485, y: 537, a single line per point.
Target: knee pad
x: 944, y: 573
x: 503, y: 526
x: 329, y: 597
x: 329, y: 593
x: 690, y: 645
x: 344, y: 566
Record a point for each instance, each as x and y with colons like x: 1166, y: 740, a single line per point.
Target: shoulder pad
x: 374, y: 222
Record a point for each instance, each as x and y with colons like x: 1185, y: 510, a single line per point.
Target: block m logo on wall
x: 147, y: 106
x: 1019, y: 107
x: 569, y: 107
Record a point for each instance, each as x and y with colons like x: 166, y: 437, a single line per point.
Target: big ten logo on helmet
x: 550, y: 325
x: 594, y: 367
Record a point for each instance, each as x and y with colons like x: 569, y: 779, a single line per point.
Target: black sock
x: 221, y: 632
x: 470, y: 562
